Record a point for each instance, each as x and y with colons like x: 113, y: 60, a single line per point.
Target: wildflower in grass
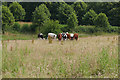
x: 108, y: 39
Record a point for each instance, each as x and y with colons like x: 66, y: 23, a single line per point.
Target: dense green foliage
x: 7, y: 17
x: 40, y: 15
x: 33, y: 28
x: 81, y: 9
x: 85, y: 29
x: 89, y: 17
x: 101, y: 21
x: 68, y: 16
x: 106, y: 7
x: 16, y: 27
x: 17, y: 10
x: 29, y: 9
x: 114, y: 16
x: 51, y: 26
x: 65, y: 11
x: 25, y: 28
x: 72, y: 22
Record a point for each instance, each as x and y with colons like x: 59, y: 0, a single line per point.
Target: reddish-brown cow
x: 59, y: 36
x: 76, y: 36
x: 68, y: 36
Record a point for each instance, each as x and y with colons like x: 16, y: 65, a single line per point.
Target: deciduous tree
x: 17, y: 10
x: 7, y: 18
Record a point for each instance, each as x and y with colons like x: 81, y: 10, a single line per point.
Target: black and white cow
x: 64, y: 36
x: 40, y: 35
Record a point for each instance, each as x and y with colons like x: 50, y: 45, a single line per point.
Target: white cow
x: 52, y: 35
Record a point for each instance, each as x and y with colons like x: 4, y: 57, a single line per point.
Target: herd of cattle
x: 61, y: 36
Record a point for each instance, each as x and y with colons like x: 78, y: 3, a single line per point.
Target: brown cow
x: 59, y: 36
x: 68, y: 36
x: 76, y: 36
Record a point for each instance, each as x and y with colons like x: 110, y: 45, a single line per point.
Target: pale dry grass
x: 22, y: 23
x: 41, y: 59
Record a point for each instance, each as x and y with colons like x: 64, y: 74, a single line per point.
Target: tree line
x: 52, y: 14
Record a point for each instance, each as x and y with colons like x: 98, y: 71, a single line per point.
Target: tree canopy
x: 88, y: 18
x: 17, y: 10
x: 69, y: 15
x: 41, y: 14
x: 65, y: 11
x: 114, y: 16
x: 101, y: 21
x: 7, y: 17
x: 80, y: 9
x: 72, y: 21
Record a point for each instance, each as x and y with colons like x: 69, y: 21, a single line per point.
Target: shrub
x: 101, y: 21
x: 50, y: 26
x: 7, y: 28
x: 85, y: 29
x: 64, y: 28
x: 16, y: 27
x: 37, y: 30
x: 33, y: 28
x: 113, y: 29
x: 25, y: 28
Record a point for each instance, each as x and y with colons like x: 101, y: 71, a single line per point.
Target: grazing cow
x: 52, y: 35
x: 59, y: 36
x: 68, y: 36
x: 72, y: 36
x: 40, y: 35
x: 64, y: 36
x: 76, y: 36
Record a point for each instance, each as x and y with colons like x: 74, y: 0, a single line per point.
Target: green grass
x: 27, y: 59
x: 19, y: 37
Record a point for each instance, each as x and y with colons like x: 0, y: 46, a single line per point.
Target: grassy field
x: 0, y: 60
x: 89, y: 57
x: 19, y: 36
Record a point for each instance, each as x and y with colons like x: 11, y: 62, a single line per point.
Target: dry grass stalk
x: 2, y: 42
x: 11, y: 48
x: 50, y: 39
x: 15, y: 40
x: 32, y: 41
x: 108, y: 39
x: 8, y: 40
x: 61, y: 42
